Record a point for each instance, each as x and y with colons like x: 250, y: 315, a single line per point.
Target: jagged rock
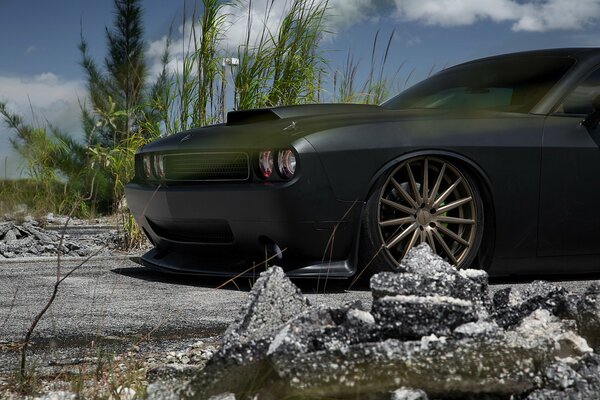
x: 542, y: 324
x: 426, y: 272
x: 161, y: 391
x: 410, y: 317
x: 481, y: 330
x: 588, y: 315
x: 223, y: 396
x: 273, y: 301
x: 241, y: 359
x: 5, y: 227
x: 29, y: 239
x: 408, y: 394
x: 503, y: 364
x: 11, y: 235
x: 59, y: 395
x: 579, y: 380
x: 428, y: 329
x: 447, y: 283
x: 323, y: 329
x: 511, y: 306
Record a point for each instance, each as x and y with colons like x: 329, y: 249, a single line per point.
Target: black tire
x: 375, y: 252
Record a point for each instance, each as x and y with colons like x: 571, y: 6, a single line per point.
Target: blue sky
x: 40, y: 60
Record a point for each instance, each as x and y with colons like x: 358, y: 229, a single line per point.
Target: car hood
x: 280, y: 126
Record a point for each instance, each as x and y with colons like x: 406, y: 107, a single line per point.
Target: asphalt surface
x: 116, y: 297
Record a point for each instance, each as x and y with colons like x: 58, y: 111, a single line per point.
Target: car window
x: 514, y: 84
x: 466, y: 97
x: 580, y: 101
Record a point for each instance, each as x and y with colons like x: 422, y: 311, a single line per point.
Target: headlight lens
x: 159, y: 166
x: 147, y: 166
x: 265, y: 163
x: 286, y: 163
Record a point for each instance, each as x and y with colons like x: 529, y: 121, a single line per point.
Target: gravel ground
x: 117, y: 300
x: 110, y: 303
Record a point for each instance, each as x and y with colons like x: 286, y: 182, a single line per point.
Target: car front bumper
x: 228, y: 229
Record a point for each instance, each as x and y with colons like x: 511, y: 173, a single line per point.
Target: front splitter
x: 187, y: 264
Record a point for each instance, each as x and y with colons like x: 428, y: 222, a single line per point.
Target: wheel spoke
x: 453, y: 235
x: 398, y: 206
x: 446, y: 193
x: 412, y: 242
x: 426, y: 180
x: 401, y: 236
x: 427, y: 199
x: 404, y: 194
x: 438, y: 181
x: 447, y: 250
x: 455, y: 220
x: 431, y: 241
x: 397, y: 221
x: 453, y: 205
x: 413, y: 183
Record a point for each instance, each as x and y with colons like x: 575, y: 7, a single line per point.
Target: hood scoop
x: 306, y: 110
x: 251, y: 116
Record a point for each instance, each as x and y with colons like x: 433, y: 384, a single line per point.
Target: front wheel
x: 423, y: 199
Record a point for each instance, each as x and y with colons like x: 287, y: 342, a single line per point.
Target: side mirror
x: 593, y: 119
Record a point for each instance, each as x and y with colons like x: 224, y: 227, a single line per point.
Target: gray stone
x: 449, y: 283
x: 161, y: 391
x: 481, y: 330
x: 11, y: 235
x: 428, y: 273
x: 579, y: 380
x: 503, y: 364
x: 410, y: 317
x: 588, y: 315
x: 408, y: 394
x: 5, y: 227
x: 428, y: 329
x: 273, y: 301
x: 511, y: 306
x: 223, y: 396
x: 58, y: 395
x: 242, y: 357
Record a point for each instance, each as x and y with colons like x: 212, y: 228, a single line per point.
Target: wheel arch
x: 481, y: 179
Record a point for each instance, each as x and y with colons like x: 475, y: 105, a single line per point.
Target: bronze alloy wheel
x: 428, y: 199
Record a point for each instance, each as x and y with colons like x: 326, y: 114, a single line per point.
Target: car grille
x: 207, y: 167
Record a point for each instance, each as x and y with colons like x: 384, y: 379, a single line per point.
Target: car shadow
x: 307, y: 285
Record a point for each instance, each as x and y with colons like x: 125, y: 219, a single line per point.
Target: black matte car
x: 494, y: 163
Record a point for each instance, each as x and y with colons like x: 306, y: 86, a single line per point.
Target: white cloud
x: 341, y: 14
x: 558, y: 14
x: 52, y: 99
x: 535, y: 15
x: 31, y: 49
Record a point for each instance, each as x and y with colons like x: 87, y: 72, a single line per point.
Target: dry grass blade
x: 221, y: 286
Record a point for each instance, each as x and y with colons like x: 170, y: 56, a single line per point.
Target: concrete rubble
x: 34, y: 239
x: 432, y: 332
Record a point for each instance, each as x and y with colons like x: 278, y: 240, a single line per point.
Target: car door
x: 569, y: 219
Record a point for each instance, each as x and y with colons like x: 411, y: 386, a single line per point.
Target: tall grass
x: 283, y: 67
x: 125, y: 108
x: 375, y: 87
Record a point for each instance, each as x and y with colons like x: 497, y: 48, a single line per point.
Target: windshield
x: 514, y: 84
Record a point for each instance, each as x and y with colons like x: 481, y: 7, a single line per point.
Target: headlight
x: 147, y: 166
x: 265, y: 163
x: 159, y: 166
x: 286, y: 163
